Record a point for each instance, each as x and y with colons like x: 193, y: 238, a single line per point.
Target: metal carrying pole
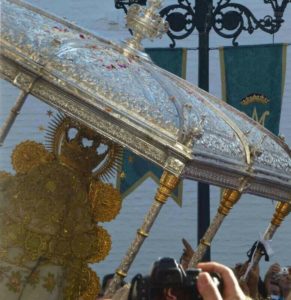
x: 230, y: 198
x: 146, y: 23
x: 281, y: 211
x: 14, y: 112
x: 168, y: 182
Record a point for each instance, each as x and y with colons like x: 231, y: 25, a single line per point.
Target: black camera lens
x: 167, y: 273
x: 190, y: 283
x: 139, y: 289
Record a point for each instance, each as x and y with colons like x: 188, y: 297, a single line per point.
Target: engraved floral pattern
x: 14, y: 281
x: 34, y: 278
x: 49, y: 282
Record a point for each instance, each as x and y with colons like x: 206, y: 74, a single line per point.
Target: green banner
x: 253, y: 79
x: 134, y: 169
x: 172, y: 60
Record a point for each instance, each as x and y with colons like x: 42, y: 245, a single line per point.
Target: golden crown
x: 254, y: 98
x: 80, y: 148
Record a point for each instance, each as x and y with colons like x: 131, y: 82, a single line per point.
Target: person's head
x: 106, y: 281
x: 284, y: 281
x: 274, y: 289
x: 278, y: 278
x: 167, y: 281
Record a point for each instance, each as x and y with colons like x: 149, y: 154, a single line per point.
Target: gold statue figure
x: 49, y: 212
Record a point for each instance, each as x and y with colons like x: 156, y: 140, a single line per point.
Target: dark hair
x: 105, y: 282
x: 166, y: 273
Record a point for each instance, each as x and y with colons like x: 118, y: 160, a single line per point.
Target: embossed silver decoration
x: 138, y: 105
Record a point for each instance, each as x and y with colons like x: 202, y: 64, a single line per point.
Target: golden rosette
x: 91, y: 246
x: 103, y: 245
x: 105, y: 201
x: 28, y: 155
x: 90, y: 284
x: 12, y: 235
x: 35, y: 245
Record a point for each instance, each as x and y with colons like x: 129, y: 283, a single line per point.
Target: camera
x: 167, y: 273
x: 284, y: 271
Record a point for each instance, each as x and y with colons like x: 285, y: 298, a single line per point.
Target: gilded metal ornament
x: 145, y: 23
x: 167, y: 183
x: 229, y: 198
x: 103, y: 245
x: 91, y: 286
x: 29, y: 154
x: 80, y: 148
x: 282, y: 210
x: 91, y: 246
x: 105, y: 201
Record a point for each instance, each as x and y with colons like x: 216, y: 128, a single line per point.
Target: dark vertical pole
x: 203, y: 11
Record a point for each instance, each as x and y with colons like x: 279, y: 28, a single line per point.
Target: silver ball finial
x: 145, y: 23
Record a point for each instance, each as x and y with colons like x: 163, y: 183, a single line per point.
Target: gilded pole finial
x: 168, y: 183
x: 282, y: 210
x: 229, y: 199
